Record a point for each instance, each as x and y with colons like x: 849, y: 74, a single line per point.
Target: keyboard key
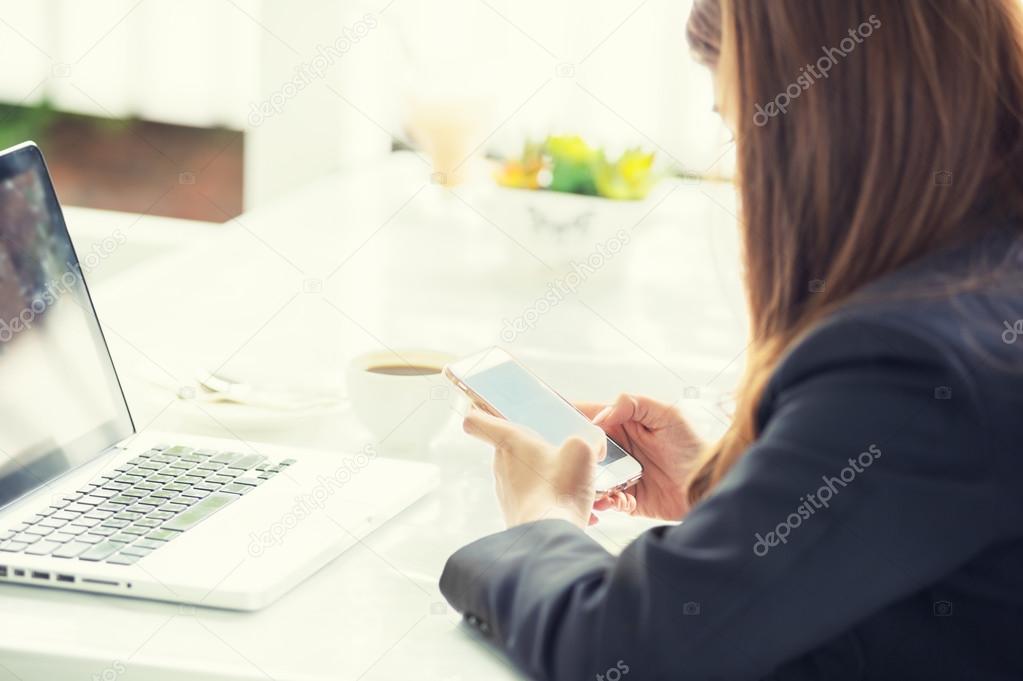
x: 71, y: 550
x: 148, y: 486
x: 210, y: 466
x: 135, y: 493
x: 53, y: 523
x: 60, y: 537
x: 162, y: 535
x: 127, y: 515
x: 235, y: 488
x: 7, y: 535
x: 148, y: 522
x: 251, y: 482
x: 104, y: 531
x: 13, y: 546
x: 116, y: 524
x: 161, y: 515
x: 200, y: 512
x: 101, y: 551
x: 65, y: 515
x: 177, y: 450
x: 98, y: 515
x: 206, y: 487
x: 85, y: 522
x: 41, y: 531
x: 147, y: 544
x: 104, y: 493
x: 136, y: 550
x: 195, y: 493
x: 42, y: 548
x: 247, y: 462
x: 219, y: 479
x: 122, y: 500
x: 173, y: 507
x: 137, y: 530
x: 161, y: 448
x: 74, y: 530
x: 26, y: 538
x: 123, y: 538
x: 123, y: 559
x: 92, y: 500
x: 116, y: 486
x: 288, y: 462
x: 228, y: 457
x: 161, y: 479
x: 91, y: 538
x: 162, y: 494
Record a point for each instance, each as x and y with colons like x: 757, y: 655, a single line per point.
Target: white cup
x: 403, y: 411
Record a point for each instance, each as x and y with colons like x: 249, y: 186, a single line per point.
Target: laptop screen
x: 60, y: 401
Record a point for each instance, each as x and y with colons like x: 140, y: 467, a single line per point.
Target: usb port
x: 18, y: 572
x: 65, y: 578
x: 3, y: 570
x: 36, y: 574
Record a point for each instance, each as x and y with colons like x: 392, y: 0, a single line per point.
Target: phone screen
x: 521, y: 398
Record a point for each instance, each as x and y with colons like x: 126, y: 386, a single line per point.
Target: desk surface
x: 285, y: 296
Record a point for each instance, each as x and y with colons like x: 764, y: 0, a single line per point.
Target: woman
x: 862, y: 518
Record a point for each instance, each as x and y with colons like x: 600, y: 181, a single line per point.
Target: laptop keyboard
x: 127, y: 513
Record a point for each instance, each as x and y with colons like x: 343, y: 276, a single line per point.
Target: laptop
x: 89, y: 504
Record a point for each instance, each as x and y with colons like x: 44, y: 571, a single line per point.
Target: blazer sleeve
x: 868, y: 483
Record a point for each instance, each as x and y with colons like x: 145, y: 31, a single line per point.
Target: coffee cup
x: 402, y: 397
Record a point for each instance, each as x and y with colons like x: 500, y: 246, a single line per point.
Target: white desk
x: 265, y: 298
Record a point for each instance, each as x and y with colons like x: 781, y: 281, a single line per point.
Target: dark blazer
x: 873, y: 531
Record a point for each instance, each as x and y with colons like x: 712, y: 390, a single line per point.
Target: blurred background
x: 202, y: 109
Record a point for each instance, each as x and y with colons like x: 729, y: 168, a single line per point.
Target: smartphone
x: 500, y: 385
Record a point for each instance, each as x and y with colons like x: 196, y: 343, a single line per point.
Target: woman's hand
x: 536, y: 480
x: 659, y: 437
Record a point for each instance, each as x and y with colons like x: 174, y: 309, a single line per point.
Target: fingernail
x: 602, y: 414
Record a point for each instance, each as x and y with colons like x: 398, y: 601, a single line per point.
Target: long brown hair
x: 869, y: 134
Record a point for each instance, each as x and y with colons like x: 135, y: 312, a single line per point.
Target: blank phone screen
x: 521, y: 398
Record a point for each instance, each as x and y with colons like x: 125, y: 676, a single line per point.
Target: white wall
x: 616, y: 71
